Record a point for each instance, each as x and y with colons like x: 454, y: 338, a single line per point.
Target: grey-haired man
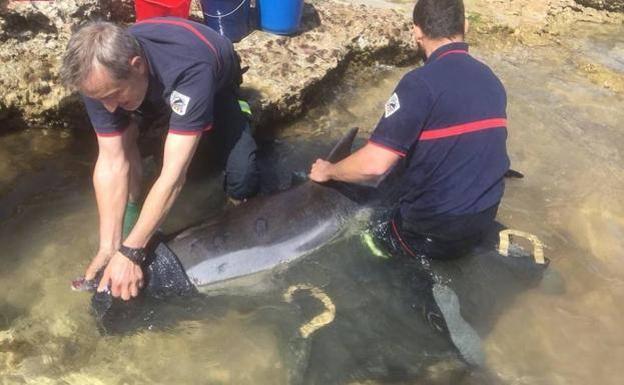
x: 168, y: 65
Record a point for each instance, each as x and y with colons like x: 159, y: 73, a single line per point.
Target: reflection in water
x: 564, y: 135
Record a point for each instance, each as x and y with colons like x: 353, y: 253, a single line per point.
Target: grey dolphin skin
x: 265, y: 231
x: 252, y: 237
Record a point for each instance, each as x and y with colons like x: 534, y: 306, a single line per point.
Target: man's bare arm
x: 122, y: 275
x: 111, y: 182
x: 368, y: 164
x: 178, y: 153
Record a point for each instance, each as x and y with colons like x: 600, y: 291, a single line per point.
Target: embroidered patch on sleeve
x: 392, y: 105
x: 179, y: 102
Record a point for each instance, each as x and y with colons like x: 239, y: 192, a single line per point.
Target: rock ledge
x: 285, y: 74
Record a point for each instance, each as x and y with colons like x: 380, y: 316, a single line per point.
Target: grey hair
x: 98, y: 42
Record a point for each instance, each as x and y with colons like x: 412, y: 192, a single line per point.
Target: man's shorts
x: 447, y: 237
x: 236, y: 146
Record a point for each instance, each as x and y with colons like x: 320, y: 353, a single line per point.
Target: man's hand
x: 97, y: 263
x: 368, y: 164
x: 123, y: 276
x: 321, y: 171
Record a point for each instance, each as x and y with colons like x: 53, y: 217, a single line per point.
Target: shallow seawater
x: 564, y: 135
x: 603, y: 43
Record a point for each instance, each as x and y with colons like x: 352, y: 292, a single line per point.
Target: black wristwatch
x: 135, y: 255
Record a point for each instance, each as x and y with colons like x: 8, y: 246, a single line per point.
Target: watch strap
x: 135, y: 255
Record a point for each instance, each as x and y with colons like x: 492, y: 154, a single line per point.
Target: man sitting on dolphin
x: 445, y: 125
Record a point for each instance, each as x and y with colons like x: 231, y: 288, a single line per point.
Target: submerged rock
x: 285, y: 72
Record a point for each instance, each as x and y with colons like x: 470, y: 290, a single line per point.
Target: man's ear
x: 137, y: 63
x: 417, y: 33
x: 466, y: 26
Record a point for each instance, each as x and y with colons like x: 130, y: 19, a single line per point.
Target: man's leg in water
x: 390, y: 235
x: 237, y: 147
x: 442, y: 312
x: 444, y: 238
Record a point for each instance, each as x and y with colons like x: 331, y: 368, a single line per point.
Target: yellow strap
x: 538, y: 246
x: 323, y: 319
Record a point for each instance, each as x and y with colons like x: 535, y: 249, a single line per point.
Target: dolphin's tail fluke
x: 342, y: 149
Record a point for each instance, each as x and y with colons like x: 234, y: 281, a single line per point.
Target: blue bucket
x: 228, y: 17
x: 280, y: 16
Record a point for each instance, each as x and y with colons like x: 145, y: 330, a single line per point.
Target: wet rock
x: 609, y: 5
x: 286, y: 72
x: 33, y: 36
x: 333, y: 36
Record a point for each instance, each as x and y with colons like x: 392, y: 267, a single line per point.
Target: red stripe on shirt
x: 399, y: 153
x: 178, y: 131
x: 452, y: 51
x: 465, y: 128
x: 185, y: 132
x: 188, y: 27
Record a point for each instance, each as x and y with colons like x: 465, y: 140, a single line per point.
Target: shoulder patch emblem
x: 392, y: 105
x: 179, y: 102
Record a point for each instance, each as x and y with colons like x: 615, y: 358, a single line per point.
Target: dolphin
x: 409, y: 320
x: 256, y: 236
x: 270, y: 231
x: 266, y: 231
x: 263, y: 232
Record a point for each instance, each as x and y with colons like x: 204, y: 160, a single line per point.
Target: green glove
x: 131, y: 215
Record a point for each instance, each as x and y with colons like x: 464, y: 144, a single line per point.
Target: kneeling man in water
x: 161, y: 66
x: 444, y: 127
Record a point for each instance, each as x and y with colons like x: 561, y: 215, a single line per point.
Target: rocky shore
x: 609, y: 5
x: 285, y: 72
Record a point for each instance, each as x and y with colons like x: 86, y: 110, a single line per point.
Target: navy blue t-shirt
x: 447, y: 119
x: 188, y: 64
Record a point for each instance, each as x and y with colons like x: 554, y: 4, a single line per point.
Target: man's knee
x: 242, y: 178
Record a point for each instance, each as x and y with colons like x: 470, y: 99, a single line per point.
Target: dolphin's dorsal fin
x: 342, y: 149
